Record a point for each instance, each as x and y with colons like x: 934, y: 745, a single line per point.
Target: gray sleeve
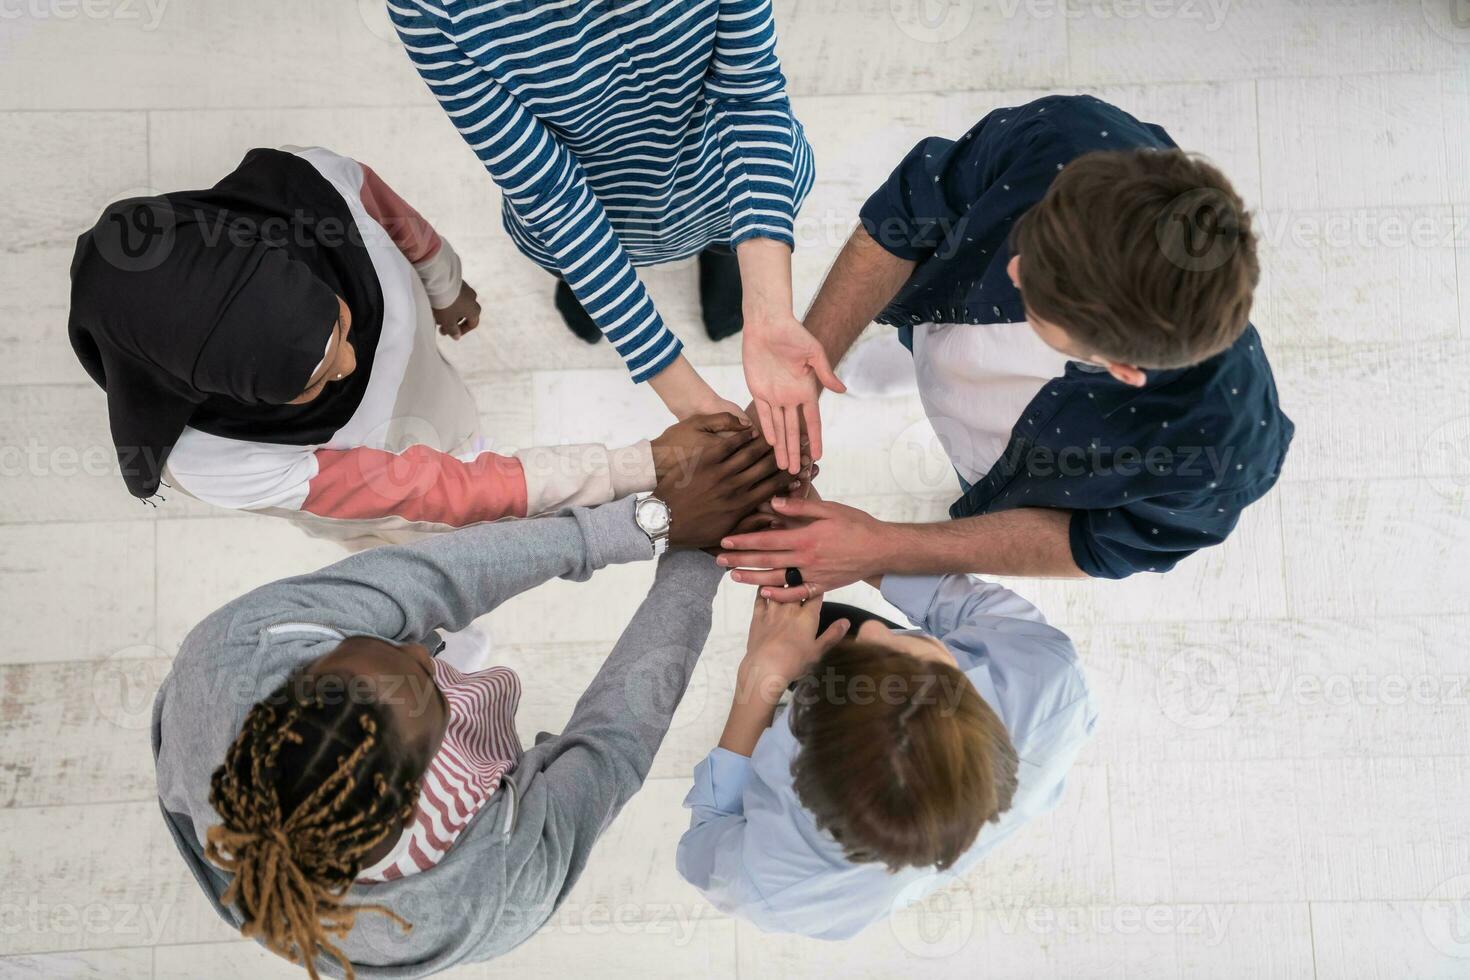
x: 586, y: 775
x: 447, y: 581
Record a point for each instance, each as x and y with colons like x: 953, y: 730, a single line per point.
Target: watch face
x: 653, y: 515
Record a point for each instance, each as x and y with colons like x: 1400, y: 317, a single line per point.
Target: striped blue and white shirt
x: 621, y: 134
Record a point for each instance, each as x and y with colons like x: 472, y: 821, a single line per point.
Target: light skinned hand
x: 783, y: 641
x: 831, y: 544
x: 786, y: 370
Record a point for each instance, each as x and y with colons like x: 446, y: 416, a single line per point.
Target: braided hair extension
x: 308, y: 788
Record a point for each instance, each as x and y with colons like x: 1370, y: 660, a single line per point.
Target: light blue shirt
x: 756, y: 853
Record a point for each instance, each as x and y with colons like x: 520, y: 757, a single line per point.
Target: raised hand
x: 786, y: 369
x: 783, y: 641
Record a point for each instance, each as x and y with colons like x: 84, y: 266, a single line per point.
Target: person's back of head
x: 901, y: 760
x: 313, y: 782
x: 1141, y: 257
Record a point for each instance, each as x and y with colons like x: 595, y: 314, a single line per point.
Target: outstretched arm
x: 545, y: 187
x: 449, y: 580
x: 768, y: 167
x: 836, y: 545
x: 425, y: 486
x: 862, y: 281
x: 603, y: 755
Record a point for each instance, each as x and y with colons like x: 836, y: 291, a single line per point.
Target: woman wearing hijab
x: 269, y: 344
x: 632, y: 134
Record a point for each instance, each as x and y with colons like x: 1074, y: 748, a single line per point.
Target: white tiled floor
x: 1281, y: 783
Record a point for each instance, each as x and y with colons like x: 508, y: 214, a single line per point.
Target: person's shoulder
x: 1033, y: 660
x: 1235, y: 395
x: 1086, y: 120
x: 1058, y: 710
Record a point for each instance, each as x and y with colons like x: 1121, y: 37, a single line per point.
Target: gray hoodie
x: 522, y: 853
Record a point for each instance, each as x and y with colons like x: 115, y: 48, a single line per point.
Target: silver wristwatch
x: 655, y: 519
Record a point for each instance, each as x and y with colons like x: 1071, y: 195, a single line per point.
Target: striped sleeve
x: 753, y: 120
x: 544, y: 185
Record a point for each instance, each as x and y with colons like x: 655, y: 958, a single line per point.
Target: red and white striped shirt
x: 480, y: 746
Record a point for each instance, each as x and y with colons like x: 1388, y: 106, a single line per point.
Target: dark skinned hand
x: 711, y: 495
x: 460, y: 316
x: 684, y: 445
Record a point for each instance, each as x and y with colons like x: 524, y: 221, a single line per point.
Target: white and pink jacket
x: 411, y: 459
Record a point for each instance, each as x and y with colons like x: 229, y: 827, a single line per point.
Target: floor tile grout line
x: 1312, y: 939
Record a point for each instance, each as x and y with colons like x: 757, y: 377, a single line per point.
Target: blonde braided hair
x: 308, y: 788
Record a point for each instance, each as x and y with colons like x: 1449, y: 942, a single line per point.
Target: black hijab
x: 212, y: 309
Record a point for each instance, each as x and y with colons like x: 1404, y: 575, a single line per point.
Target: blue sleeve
x: 719, y: 786
x: 759, y: 140
x: 1152, y: 535
x: 543, y: 183
x: 942, y: 605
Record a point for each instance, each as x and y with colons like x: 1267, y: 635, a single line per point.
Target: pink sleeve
x: 418, y: 484
x: 410, y: 231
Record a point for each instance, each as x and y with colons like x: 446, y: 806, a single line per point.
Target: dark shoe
x: 572, y: 314
x: 720, y: 295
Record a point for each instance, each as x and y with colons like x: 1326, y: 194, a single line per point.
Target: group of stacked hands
x: 337, y: 755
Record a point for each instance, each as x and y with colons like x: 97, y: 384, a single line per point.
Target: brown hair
x: 310, y: 786
x: 901, y: 760
x: 1144, y: 257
